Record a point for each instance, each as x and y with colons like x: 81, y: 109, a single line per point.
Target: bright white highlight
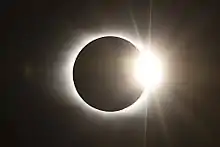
x: 148, y: 70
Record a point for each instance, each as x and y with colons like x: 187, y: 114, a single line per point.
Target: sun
x: 148, y: 70
x: 64, y: 77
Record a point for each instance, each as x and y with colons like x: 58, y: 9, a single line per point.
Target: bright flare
x: 148, y: 70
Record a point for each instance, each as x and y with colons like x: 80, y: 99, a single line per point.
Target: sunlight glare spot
x: 148, y: 70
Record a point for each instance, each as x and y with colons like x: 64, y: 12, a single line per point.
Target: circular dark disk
x: 102, y: 74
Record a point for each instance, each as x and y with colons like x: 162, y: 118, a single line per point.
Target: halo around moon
x: 64, y: 76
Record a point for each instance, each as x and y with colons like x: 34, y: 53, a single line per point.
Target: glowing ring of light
x: 69, y: 76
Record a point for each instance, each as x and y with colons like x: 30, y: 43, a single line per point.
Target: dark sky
x: 36, y: 33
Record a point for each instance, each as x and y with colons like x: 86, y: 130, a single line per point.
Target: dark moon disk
x: 103, y: 76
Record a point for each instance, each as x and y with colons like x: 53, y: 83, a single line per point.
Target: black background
x: 33, y: 34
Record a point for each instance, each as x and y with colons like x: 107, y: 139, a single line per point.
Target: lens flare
x: 148, y: 70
